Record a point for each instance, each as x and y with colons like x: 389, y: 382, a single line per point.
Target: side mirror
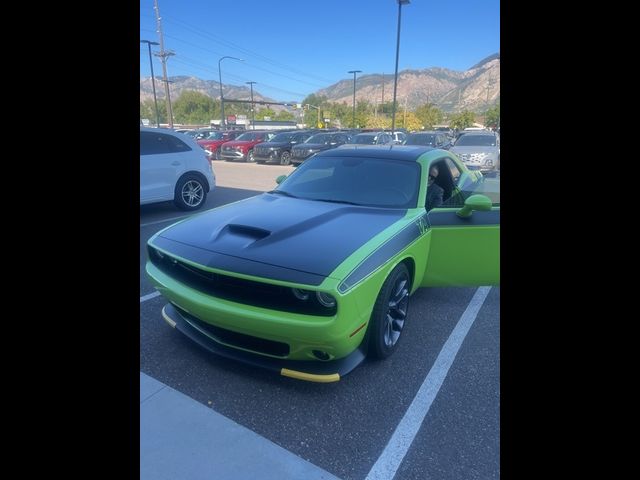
x: 478, y: 202
x: 280, y: 179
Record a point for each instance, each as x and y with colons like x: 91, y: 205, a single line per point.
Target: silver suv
x: 479, y: 150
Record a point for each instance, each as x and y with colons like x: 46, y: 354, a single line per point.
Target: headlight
x: 325, y: 299
x: 300, y: 294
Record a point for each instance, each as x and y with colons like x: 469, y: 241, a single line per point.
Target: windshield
x: 249, y: 136
x: 364, y: 139
x: 215, y: 136
x: 282, y: 137
x: 476, y: 141
x: 420, y: 139
x: 320, y: 138
x: 364, y: 181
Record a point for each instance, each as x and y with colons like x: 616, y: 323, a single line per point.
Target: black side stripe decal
x: 449, y: 218
x: 385, y: 252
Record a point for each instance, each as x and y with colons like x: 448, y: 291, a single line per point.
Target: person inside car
x: 434, y: 191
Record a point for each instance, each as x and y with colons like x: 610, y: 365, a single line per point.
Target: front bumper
x: 313, y: 371
x: 232, y: 155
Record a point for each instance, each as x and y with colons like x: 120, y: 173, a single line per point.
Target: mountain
x: 474, y: 89
x: 450, y: 90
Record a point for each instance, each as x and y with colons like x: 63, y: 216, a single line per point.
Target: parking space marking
x: 387, y: 464
x: 149, y: 296
x: 163, y: 221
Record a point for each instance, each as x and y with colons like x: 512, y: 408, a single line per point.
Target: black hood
x: 273, y: 144
x: 285, y: 233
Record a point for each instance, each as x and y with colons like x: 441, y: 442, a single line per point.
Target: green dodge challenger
x: 309, y: 278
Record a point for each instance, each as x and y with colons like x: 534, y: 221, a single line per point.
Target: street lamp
x: 222, y: 120
x: 395, y: 78
x: 253, y: 122
x: 153, y: 81
x: 353, y: 121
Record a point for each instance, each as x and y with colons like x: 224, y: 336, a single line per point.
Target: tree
x: 284, y: 115
x: 429, y: 115
x: 380, y: 122
x: 492, y: 116
x: 265, y: 112
x: 147, y: 110
x: 462, y: 120
x: 193, y: 107
x: 409, y: 121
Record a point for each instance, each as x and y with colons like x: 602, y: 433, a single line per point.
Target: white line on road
x: 163, y: 221
x: 149, y: 297
x: 387, y: 464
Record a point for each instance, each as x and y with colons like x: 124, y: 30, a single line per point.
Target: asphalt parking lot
x: 347, y: 428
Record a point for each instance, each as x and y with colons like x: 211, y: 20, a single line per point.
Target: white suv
x: 173, y: 167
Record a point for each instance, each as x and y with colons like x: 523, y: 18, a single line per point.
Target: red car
x: 242, y: 147
x: 214, y: 141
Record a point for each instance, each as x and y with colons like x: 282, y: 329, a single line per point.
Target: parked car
x: 309, y: 278
x: 201, y: 133
x: 214, y: 141
x: 242, y: 147
x: 173, y: 167
x: 372, y: 138
x: 318, y: 143
x: 278, y: 149
x: 429, y: 139
x: 479, y: 150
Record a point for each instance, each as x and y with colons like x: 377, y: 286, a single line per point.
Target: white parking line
x: 387, y: 464
x: 163, y: 221
x: 149, y: 297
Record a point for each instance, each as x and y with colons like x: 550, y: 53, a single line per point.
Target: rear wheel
x: 190, y: 193
x: 285, y: 158
x: 389, y: 313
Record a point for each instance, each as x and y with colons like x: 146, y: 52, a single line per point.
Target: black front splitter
x: 312, y: 371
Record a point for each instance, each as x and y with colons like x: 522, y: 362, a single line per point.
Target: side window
x: 176, y: 145
x: 154, y: 143
x: 455, y: 171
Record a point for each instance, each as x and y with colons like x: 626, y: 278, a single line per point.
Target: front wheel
x: 285, y: 158
x: 190, y: 193
x: 250, y: 157
x: 389, y: 313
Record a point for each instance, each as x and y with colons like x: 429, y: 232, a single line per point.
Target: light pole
x: 223, y: 123
x: 353, y: 118
x: 253, y: 122
x: 153, y: 80
x: 395, y: 78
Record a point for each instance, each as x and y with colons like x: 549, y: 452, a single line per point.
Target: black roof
x: 409, y: 153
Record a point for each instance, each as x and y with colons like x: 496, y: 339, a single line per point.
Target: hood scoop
x: 239, y: 236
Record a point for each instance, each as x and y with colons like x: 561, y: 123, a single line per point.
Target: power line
x: 227, y: 43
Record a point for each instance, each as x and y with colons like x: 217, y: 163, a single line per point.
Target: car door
x: 464, y: 251
x: 160, y: 166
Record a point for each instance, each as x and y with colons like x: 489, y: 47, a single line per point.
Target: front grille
x: 239, y: 290
x: 240, y: 340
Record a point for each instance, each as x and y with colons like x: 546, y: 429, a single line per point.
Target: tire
x: 250, y: 157
x: 217, y: 154
x: 285, y: 158
x: 389, y: 313
x: 190, y: 193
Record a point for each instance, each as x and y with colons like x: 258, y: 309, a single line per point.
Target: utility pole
x: 163, y: 58
x: 382, y: 104
x: 253, y: 122
x: 404, y: 120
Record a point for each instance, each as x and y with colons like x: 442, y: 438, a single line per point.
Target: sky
x: 294, y: 48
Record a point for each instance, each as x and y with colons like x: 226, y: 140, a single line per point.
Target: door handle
x: 176, y: 163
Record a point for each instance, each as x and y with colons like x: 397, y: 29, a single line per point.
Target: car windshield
x: 215, y: 136
x: 468, y: 140
x: 320, y: 138
x: 420, y: 139
x: 363, y: 181
x: 249, y: 136
x: 282, y: 137
x: 364, y: 139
